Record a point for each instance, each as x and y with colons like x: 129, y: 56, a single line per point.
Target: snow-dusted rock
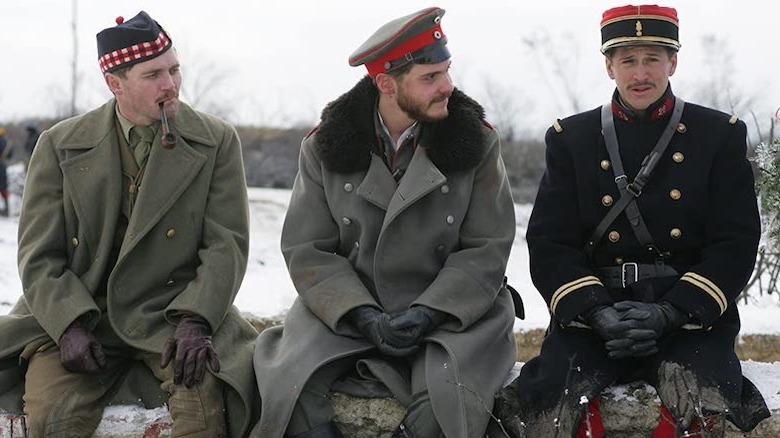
x: 627, y: 410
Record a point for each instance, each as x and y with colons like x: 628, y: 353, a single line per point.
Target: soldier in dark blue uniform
x: 644, y: 231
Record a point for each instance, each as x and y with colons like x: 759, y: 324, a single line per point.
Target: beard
x: 418, y: 109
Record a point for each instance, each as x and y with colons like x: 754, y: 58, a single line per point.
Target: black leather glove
x: 375, y: 327
x: 80, y: 351
x: 624, y: 338
x: 191, y: 350
x: 411, y: 325
x: 662, y: 318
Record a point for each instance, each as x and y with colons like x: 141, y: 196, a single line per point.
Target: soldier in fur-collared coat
x: 425, y: 228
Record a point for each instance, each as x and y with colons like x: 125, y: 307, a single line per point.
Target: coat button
x: 681, y: 128
x: 676, y: 233
x: 678, y: 157
x: 170, y: 282
x: 605, y: 164
x: 618, y: 260
x: 74, y: 241
x: 170, y: 233
x: 346, y: 221
x: 606, y: 200
x: 675, y: 194
x: 348, y: 187
x: 357, y: 245
x: 440, y: 248
x: 445, y: 189
x: 613, y: 236
x: 450, y: 219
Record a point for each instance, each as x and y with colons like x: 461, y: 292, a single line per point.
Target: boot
x: 325, y: 430
x: 403, y: 432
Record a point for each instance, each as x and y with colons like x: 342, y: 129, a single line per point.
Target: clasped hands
x: 399, y: 334
x: 633, y: 328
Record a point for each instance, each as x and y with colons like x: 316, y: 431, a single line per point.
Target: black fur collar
x: 346, y: 137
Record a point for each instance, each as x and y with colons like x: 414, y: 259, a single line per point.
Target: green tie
x: 144, y: 136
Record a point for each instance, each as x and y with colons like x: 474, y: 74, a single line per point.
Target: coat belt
x: 629, y: 273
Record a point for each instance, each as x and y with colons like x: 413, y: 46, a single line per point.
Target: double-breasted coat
x: 700, y: 208
x: 185, y: 248
x: 440, y: 237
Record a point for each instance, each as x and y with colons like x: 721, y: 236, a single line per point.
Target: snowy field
x: 267, y: 290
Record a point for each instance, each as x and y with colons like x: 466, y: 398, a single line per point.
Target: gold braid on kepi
x: 640, y: 25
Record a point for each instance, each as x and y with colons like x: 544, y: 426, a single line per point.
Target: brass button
x: 605, y: 164
x: 613, y: 236
x: 348, y: 187
x: 445, y: 189
x: 450, y: 219
x: 170, y: 233
x: 346, y: 221
x: 678, y: 157
x: 74, y: 241
x: 618, y: 260
x: 606, y: 200
x: 675, y: 233
x: 675, y: 194
x: 681, y: 128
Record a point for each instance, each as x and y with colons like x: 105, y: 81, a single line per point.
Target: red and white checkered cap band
x: 133, y: 53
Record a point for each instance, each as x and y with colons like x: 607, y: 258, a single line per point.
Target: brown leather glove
x: 191, y: 350
x: 80, y: 351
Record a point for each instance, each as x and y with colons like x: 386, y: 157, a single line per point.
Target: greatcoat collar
x: 96, y: 125
x: 346, y: 138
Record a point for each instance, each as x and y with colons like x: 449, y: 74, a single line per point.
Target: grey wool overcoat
x: 185, y: 249
x: 439, y: 237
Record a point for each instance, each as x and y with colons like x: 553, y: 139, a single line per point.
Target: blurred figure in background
x: 5, y: 151
x: 30, y: 142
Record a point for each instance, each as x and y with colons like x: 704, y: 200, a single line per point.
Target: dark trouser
x: 314, y: 406
x: 61, y: 404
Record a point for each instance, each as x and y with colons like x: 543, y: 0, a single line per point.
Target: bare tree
x: 504, y: 107
x: 206, y: 86
x: 74, y: 72
x: 558, y: 62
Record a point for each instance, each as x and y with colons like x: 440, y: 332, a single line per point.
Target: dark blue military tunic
x: 701, y: 210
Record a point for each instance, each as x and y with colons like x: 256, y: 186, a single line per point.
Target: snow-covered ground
x: 267, y: 290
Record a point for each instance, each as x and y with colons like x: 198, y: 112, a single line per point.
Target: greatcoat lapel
x: 91, y: 172
x: 168, y: 174
x: 378, y: 185
x: 421, y: 178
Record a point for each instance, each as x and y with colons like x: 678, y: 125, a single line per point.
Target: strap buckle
x: 623, y: 273
x: 630, y: 188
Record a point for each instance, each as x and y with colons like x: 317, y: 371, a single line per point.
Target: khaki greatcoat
x: 185, y: 249
x: 440, y: 237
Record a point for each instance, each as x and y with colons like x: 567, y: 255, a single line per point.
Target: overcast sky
x: 279, y: 62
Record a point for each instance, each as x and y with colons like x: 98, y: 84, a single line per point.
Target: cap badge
x: 638, y: 28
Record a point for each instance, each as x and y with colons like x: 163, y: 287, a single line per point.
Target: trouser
x: 62, y: 404
x: 314, y: 406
